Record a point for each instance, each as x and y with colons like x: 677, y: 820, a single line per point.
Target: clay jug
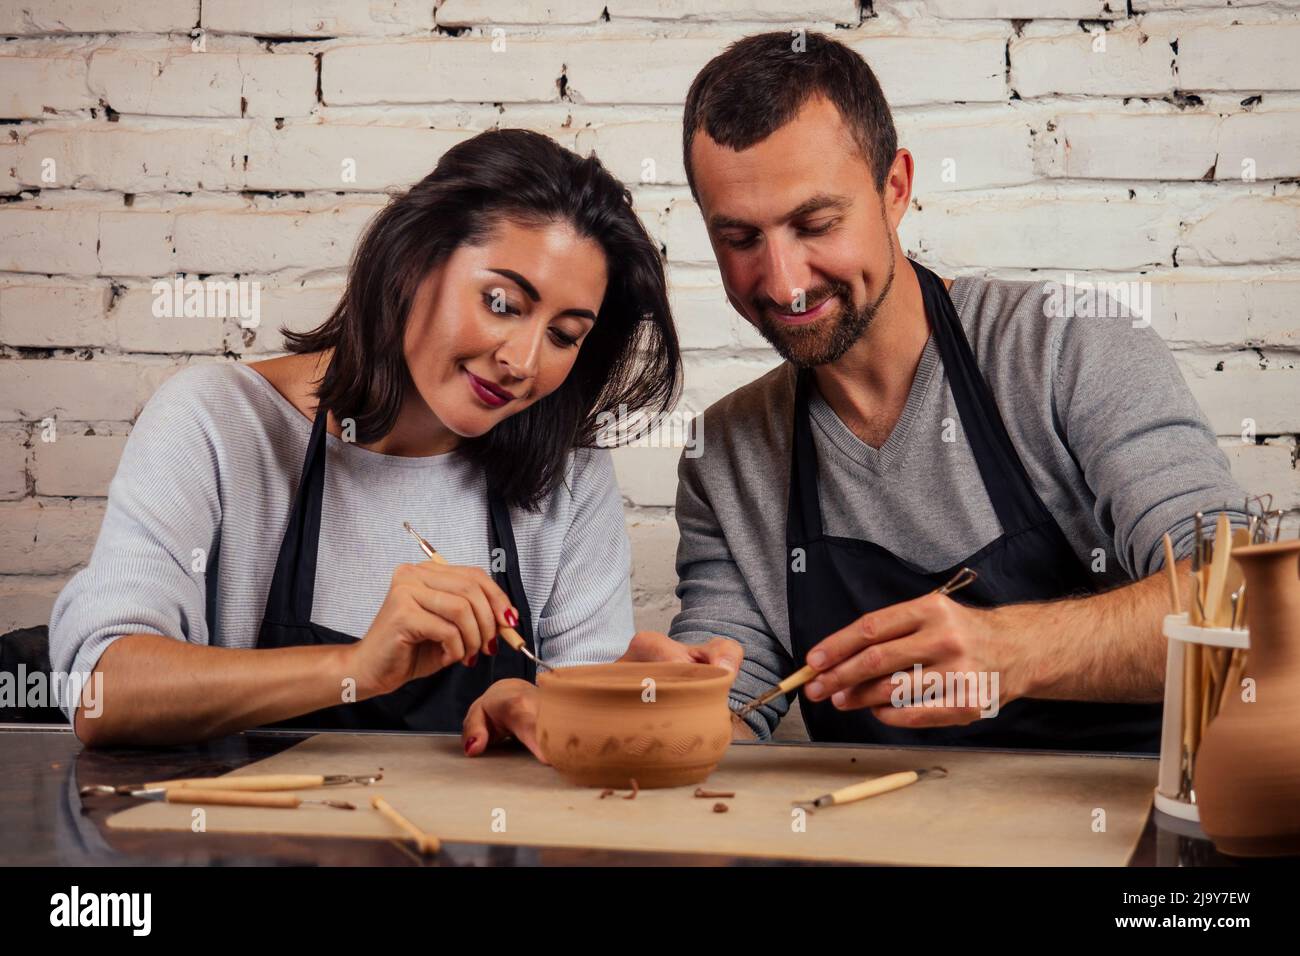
x: 1248, y: 767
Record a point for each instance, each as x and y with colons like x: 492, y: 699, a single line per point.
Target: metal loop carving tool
x: 508, y: 634
x: 806, y: 673
x: 269, y: 782
x: 232, y: 798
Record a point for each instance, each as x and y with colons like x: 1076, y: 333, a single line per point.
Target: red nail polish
x: 512, y: 617
x: 492, y: 646
x: 471, y: 660
x: 469, y: 745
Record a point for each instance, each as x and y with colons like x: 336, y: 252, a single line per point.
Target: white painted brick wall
x: 155, y: 138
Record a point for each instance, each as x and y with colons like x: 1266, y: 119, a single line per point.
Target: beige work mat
x: 994, y: 809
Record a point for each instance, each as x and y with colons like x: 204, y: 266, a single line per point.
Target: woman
x: 491, y: 315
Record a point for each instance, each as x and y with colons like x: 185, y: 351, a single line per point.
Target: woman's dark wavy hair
x: 629, y: 361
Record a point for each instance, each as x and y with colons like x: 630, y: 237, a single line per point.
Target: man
x: 919, y: 426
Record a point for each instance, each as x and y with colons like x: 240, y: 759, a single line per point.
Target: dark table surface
x: 44, y: 822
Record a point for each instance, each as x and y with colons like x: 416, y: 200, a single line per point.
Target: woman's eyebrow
x: 520, y: 281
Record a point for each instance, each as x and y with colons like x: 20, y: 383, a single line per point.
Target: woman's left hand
x: 507, y: 709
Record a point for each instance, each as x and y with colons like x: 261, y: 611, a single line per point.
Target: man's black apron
x: 438, y: 702
x: 844, y: 578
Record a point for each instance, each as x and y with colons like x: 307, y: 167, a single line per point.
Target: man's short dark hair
x: 757, y: 85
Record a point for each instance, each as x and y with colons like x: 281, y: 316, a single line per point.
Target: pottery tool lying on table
x: 424, y: 842
x: 806, y: 673
x: 870, y: 788
x: 231, y: 798
x: 280, y: 781
x: 508, y: 634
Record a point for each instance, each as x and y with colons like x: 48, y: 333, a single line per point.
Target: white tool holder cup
x: 1180, y: 634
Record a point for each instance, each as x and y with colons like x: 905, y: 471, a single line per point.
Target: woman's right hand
x: 433, y: 615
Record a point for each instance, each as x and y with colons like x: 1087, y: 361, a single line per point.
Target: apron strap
x: 804, y: 522
x: 510, y: 581
x: 1013, y: 497
x: 290, y: 597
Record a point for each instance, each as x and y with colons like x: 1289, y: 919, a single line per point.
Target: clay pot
x: 604, y: 725
x: 1248, y: 767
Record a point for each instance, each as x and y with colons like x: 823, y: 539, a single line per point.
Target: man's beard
x: 828, y: 338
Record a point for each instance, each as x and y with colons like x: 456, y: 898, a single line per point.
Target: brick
x: 14, y: 457
x: 328, y: 18
x: 268, y: 240
x: 1234, y: 312
x: 300, y: 309
x: 29, y: 17
x: 1134, y: 63
x: 70, y: 390
x: 53, y: 316
x: 647, y: 476
x: 139, y: 330
x: 684, y: 234
x: 33, y: 86
x: 48, y: 240
x: 312, y: 157
x: 183, y: 83
x: 76, y: 465
x: 598, y: 70
x: 1012, y: 9
x: 967, y: 155
x: 709, y: 378
x: 1172, y: 146
x: 974, y: 68
x: 136, y: 243
x: 797, y: 11
x: 647, y: 152
x: 1269, y: 396
x: 469, y: 13
x: 1243, y: 230
x: 28, y: 600
x: 1268, y: 468
x: 442, y: 70
x: 1041, y: 232
x: 47, y: 537
x: 1247, y: 56
x: 704, y: 317
x: 135, y: 160
x: 9, y: 154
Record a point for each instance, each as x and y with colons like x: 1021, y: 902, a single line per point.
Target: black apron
x: 844, y: 578
x: 438, y: 702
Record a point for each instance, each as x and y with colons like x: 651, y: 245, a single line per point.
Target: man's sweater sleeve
x: 716, y: 601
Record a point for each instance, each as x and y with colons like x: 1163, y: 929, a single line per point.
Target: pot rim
x: 622, y: 677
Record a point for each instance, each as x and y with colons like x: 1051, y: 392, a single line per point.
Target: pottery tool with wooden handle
x: 234, y: 798
x: 870, y: 788
x: 424, y: 842
x: 282, y: 781
x: 1172, y: 572
x: 508, y: 634
x: 806, y: 673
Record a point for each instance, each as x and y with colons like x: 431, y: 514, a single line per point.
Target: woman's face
x: 498, y: 326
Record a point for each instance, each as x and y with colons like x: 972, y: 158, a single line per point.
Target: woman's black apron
x: 844, y: 578
x: 438, y: 702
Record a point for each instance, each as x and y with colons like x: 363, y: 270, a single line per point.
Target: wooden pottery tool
x: 508, y: 634
x: 284, y: 781
x: 424, y: 842
x: 806, y: 673
x: 233, y: 798
x: 870, y: 788
x: 1214, y: 596
x: 1172, y: 572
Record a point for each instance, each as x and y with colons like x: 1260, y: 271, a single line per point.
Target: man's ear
x: 897, y: 191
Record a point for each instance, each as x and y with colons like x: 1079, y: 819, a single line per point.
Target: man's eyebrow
x: 813, y: 204
x: 529, y: 289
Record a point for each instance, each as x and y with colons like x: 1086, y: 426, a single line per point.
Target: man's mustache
x: 813, y: 298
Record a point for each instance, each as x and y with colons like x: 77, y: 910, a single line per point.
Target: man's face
x: 804, y: 241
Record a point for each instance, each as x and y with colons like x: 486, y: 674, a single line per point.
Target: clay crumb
x: 606, y: 793
x: 701, y: 793
x: 635, y: 790
x: 719, y: 808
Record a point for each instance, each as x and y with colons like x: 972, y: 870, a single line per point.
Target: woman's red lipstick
x: 489, y: 393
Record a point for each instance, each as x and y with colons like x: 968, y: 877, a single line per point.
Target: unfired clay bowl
x: 600, y: 725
